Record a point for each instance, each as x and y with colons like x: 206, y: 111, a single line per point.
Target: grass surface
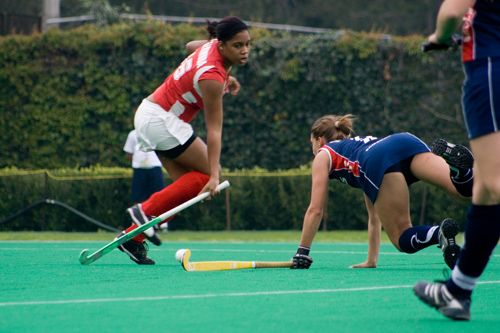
x: 215, y: 236
x: 45, y: 289
x: 219, y: 236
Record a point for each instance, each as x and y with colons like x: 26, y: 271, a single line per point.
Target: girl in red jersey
x: 383, y: 168
x: 162, y: 125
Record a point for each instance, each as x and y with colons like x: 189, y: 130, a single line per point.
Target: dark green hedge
x: 67, y: 100
x: 67, y: 97
x: 257, y: 201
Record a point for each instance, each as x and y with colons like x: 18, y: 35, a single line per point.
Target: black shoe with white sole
x: 138, y: 217
x: 448, y: 243
x: 455, y: 155
x: 136, y: 251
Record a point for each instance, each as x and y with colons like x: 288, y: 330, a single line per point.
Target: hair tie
x: 337, y: 124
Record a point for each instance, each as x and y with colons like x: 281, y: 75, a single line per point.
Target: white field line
x: 234, y: 250
x: 175, y: 297
x: 437, y: 253
x: 190, y: 242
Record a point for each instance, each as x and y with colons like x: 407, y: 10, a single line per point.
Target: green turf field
x: 45, y: 289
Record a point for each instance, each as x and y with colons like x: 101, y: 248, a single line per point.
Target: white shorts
x: 158, y: 129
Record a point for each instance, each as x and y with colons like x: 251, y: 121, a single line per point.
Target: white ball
x: 179, y: 254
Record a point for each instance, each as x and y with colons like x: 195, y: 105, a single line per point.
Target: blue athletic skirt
x: 370, y: 158
x: 390, y: 155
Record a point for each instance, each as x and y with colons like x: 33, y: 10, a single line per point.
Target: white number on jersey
x: 365, y: 139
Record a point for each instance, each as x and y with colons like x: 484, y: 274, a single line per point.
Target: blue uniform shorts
x: 481, y: 96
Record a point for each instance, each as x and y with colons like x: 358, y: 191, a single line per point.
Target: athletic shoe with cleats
x: 436, y: 295
x: 136, y: 251
x: 448, y: 243
x: 139, y: 218
x: 455, y: 155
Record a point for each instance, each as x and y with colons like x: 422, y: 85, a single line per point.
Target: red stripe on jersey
x: 468, y: 36
x: 341, y: 163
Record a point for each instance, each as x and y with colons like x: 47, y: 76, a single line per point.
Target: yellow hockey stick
x: 228, y: 265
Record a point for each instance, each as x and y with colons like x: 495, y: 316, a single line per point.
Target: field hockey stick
x: 86, y: 260
x: 454, y: 42
x: 228, y: 265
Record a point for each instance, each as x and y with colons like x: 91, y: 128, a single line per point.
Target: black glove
x: 301, y: 259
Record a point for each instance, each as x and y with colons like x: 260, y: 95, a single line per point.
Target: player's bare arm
x: 314, y: 213
x: 449, y: 19
x: 212, y: 92
x: 233, y: 86
x: 374, y: 232
x: 193, y: 45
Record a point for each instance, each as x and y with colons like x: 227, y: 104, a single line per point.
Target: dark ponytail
x: 226, y: 28
x: 211, y: 29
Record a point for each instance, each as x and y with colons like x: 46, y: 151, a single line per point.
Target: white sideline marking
x: 159, y: 298
x: 437, y: 253
x: 247, y: 250
x: 260, y: 293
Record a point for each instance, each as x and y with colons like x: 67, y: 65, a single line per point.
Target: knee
x: 494, y: 191
x: 487, y: 193
x: 395, y: 240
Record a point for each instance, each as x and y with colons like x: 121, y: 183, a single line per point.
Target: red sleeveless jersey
x: 180, y: 93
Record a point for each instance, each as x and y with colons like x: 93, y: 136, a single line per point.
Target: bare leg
x: 487, y: 178
x: 434, y: 170
x: 393, y: 206
x: 195, y: 158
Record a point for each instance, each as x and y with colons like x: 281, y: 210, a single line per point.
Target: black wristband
x: 303, y: 250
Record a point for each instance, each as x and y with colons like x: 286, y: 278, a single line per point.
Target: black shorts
x: 404, y: 168
x: 177, y: 151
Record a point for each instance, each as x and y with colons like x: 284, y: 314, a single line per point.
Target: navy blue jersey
x: 481, y: 30
x: 481, y: 62
x: 362, y: 161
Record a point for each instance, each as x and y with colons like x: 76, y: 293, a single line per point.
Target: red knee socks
x: 185, y: 188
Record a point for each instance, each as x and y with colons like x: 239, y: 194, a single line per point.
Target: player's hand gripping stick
x: 301, y: 260
x: 86, y: 259
x: 454, y: 42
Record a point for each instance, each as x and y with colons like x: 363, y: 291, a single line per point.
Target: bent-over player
x: 384, y: 168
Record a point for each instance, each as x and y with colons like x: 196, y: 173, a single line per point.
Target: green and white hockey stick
x: 86, y: 260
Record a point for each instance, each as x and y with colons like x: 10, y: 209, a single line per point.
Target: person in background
x: 481, y: 110
x: 162, y: 124
x: 383, y: 168
x: 148, y: 176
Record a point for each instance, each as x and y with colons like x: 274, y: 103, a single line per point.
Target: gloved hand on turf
x: 301, y: 259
